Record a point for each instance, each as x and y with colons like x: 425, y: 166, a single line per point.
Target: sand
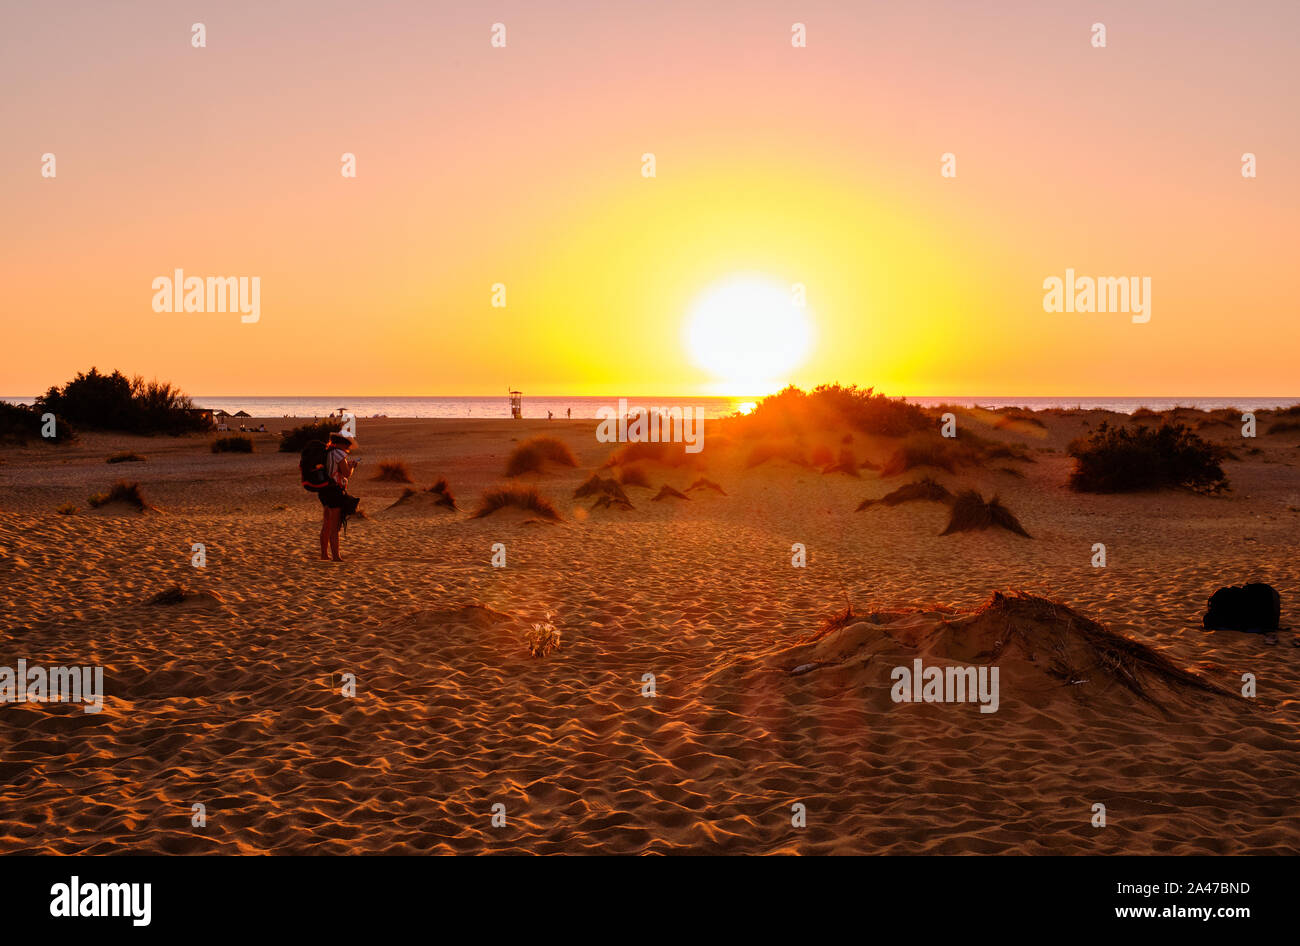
x: 231, y: 696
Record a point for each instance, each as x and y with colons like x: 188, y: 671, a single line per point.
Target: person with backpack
x: 325, y: 469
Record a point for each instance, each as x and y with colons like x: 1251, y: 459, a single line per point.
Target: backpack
x: 1255, y: 607
x: 311, y: 464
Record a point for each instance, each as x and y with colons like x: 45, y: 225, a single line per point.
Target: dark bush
x: 19, y: 424
x: 235, y: 444
x: 292, y: 441
x: 114, y: 402
x: 830, y: 406
x: 1122, y: 460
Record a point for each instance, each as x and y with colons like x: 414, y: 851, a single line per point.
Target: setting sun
x: 748, y: 333
x: 552, y: 427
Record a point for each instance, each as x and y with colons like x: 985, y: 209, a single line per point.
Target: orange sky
x: 522, y: 166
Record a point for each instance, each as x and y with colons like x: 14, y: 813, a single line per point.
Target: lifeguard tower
x: 516, y: 404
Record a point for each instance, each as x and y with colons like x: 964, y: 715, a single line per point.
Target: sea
x: 587, y: 407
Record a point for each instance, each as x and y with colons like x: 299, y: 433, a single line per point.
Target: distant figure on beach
x: 549, y: 415
x: 568, y: 412
x: 334, y: 498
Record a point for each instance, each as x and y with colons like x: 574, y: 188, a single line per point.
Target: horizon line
x: 998, y: 397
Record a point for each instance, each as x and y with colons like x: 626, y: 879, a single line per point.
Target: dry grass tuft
x: 1011, y: 417
x: 970, y: 512
x: 663, y: 452
x: 393, y: 471
x: 633, y: 476
x: 444, y: 492
x: 703, y: 483
x: 836, y: 622
x: 121, y: 492
x: 526, y: 498
x: 596, y: 485
x: 532, y: 455
x: 922, y: 490
x: 1059, y: 626
x: 929, y: 449
x: 440, y: 491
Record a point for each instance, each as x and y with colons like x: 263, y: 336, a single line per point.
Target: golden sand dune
x: 1045, y: 652
x: 667, y: 719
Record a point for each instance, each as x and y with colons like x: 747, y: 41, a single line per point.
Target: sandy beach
x: 230, y: 697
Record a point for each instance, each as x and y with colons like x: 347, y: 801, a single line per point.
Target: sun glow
x: 749, y: 333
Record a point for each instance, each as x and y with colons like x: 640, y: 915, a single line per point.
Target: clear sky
x: 775, y: 165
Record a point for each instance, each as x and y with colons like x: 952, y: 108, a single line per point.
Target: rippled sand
x: 231, y: 698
